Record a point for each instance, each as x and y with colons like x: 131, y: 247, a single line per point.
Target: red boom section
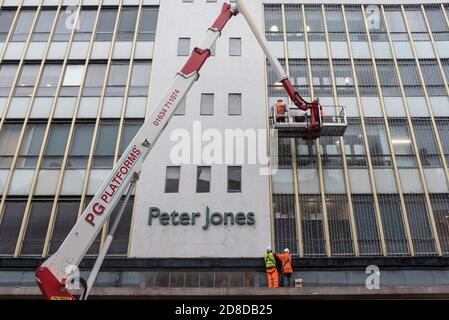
x: 314, y: 106
x: 196, y: 61
x: 225, y: 15
x: 50, y: 287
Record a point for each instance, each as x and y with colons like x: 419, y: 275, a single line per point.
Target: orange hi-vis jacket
x: 286, y: 260
x: 281, y: 109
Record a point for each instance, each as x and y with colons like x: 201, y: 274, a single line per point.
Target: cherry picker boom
x: 54, y: 275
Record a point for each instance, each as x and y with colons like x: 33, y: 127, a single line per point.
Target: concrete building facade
x: 77, y: 79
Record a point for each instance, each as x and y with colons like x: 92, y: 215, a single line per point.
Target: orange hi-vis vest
x: 280, y: 109
x: 286, y: 260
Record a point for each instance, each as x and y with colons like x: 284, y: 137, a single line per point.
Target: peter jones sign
x: 206, y: 218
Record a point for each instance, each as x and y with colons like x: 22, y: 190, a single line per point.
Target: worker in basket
x: 287, y: 270
x: 279, y: 110
x: 270, y: 267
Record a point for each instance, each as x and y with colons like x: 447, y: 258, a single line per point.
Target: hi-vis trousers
x: 273, y: 278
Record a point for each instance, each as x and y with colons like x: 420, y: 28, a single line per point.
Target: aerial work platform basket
x: 295, y: 123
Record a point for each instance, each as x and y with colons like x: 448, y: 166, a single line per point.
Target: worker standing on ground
x: 280, y: 109
x: 270, y: 267
x: 287, y: 270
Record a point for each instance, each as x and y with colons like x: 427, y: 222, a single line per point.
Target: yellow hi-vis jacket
x: 270, y: 261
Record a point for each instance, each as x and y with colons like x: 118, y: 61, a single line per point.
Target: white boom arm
x: 53, y: 275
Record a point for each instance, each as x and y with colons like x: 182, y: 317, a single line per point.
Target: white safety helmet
x: 269, y: 249
x: 286, y: 250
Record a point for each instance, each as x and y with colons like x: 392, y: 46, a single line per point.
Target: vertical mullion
x: 436, y: 133
x: 27, y: 213
x: 342, y: 143
x: 387, y: 128
x: 317, y: 143
x: 69, y: 140
x: 99, y: 112
x: 365, y: 137
x: 124, y: 107
x: 298, y: 225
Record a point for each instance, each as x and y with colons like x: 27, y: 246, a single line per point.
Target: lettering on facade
x: 210, y: 218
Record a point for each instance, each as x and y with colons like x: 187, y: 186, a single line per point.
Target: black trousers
x: 286, y: 279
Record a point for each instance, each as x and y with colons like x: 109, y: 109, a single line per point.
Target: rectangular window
x: 86, y: 22
x: 106, y: 143
x: 44, y: 25
x: 273, y: 22
x: 378, y: 143
x: 118, y: 75
x: 420, y: 229
x: 10, y: 225
x: 366, y: 78
x: 131, y: 127
x: 6, y: 17
x: 27, y: 80
x: 366, y: 224
x: 23, y: 25
x: 148, y: 24
x: 49, y: 80
x: 66, y: 216
x: 64, y: 26
x: 9, y: 138
x: 82, y: 141
x: 127, y: 24
x: 57, y: 142
x: 140, y: 79
x: 339, y: 225
x: 284, y: 223
x: 73, y: 78
x: 394, y: 232
x: 355, y: 145
x: 427, y: 147
x: 234, y: 179
x: 183, y: 46
x: 410, y: 78
x: 433, y: 78
x: 207, y: 104
x: 106, y: 25
x: 93, y: 83
x: 31, y: 145
x: 33, y: 242
x: 7, y: 75
x: 440, y: 207
x: 203, y: 178
x: 235, y: 104
x: 172, y: 179
x: 443, y: 129
x: 402, y: 143
x: 312, y: 225
x: 235, y: 47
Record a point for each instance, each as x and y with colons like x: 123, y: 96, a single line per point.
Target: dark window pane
x: 106, y: 25
x: 440, y: 207
x: 10, y: 225
x: 31, y: 145
x: 312, y: 225
x: 285, y: 223
x: 6, y: 17
x: 119, y: 245
x: 423, y: 241
x: 339, y: 225
x: 93, y: 83
x: 106, y: 143
x: 148, y: 24
x: 85, y: 25
x: 23, y: 25
x: 7, y: 75
x: 33, y: 242
x: 203, y: 179
x: 56, y: 145
x: 366, y: 225
x: 127, y: 24
x: 172, y: 179
x: 234, y: 179
x: 394, y: 232
x: 66, y: 217
x: 44, y: 25
x: 82, y: 141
